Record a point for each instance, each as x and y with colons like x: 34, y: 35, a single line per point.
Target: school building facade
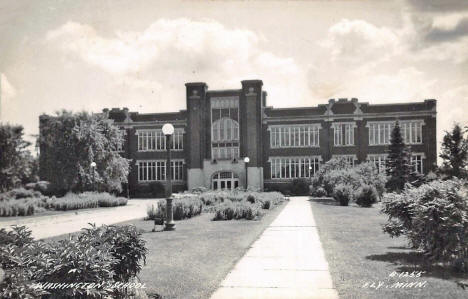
x: 219, y: 128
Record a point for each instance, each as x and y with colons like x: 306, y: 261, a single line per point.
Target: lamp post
x: 168, y: 130
x: 310, y: 176
x: 246, y: 161
x: 93, y: 168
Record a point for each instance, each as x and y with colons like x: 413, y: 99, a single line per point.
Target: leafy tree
x: 70, y: 142
x: 454, y: 153
x: 399, y: 168
x: 16, y: 162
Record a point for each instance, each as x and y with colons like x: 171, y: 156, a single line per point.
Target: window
x: 411, y: 131
x: 380, y: 132
x: 343, y: 134
x: 417, y: 162
x: 120, y: 146
x: 156, y: 170
x: 294, y: 167
x: 224, y: 128
x: 349, y: 158
x: 379, y: 161
x: 294, y: 136
x: 154, y: 140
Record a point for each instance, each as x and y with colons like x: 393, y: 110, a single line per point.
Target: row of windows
x: 303, y: 167
x: 154, y: 140
x: 343, y: 134
x: 380, y: 133
x: 294, y: 167
x: 294, y: 136
x: 380, y: 162
x: 225, y: 151
x: 156, y: 170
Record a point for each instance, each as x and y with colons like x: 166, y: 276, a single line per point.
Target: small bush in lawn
x: 266, y: 205
x: 319, y: 192
x: 237, y: 210
x: 366, y: 196
x: 151, y: 211
x: 342, y: 194
x: 184, y: 207
x: 251, y: 198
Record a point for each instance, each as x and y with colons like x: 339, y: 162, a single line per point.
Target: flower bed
x: 22, y: 202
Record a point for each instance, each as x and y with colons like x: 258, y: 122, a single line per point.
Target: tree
x: 399, y: 168
x: 16, y: 161
x: 69, y: 143
x: 454, y: 153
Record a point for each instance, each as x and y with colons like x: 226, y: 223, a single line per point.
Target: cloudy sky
x: 88, y: 55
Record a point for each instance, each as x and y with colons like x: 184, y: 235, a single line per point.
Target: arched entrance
x: 224, y: 180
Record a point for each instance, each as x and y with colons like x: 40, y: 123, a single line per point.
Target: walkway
x: 287, y: 261
x: 73, y: 221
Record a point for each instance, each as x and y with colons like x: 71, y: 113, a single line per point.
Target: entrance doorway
x: 224, y: 180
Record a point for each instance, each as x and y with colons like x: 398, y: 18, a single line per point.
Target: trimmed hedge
x: 237, y: 210
x: 184, y: 207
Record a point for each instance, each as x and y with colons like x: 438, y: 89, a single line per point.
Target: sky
x: 89, y: 55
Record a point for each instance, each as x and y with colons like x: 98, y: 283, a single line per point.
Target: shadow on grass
x: 411, y: 260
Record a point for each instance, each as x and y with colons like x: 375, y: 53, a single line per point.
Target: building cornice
x: 365, y: 116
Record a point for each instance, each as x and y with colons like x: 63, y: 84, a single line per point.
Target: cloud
x: 438, y: 5
x: 352, y: 41
x: 151, y: 66
x: 7, y: 94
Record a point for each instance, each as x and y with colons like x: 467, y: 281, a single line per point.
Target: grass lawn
x: 358, y: 252
x: 192, y: 261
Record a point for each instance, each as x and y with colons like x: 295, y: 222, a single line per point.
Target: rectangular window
x: 294, y: 167
x: 154, y: 140
x: 380, y: 132
x: 411, y: 131
x: 149, y: 171
x: 349, y: 158
x: 380, y: 161
x: 343, y: 134
x: 417, y: 162
x: 294, y: 136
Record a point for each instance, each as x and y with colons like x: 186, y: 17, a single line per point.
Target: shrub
x: 87, y: 200
x: 152, y: 212
x: 237, y: 210
x: 185, y: 207
x: 127, y: 247
x: 99, y: 254
x: 19, y: 207
x: 300, y: 186
x: 434, y: 219
x: 337, y: 171
x: 319, y: 192
x: 266, y: 204
x: 342, y: 194
x: 157, y: 189
x: 251, y: 198
x: 366, y: 196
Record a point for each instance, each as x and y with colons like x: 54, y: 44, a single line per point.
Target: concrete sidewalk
x: 287, y: 261
x: 69, y: 222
